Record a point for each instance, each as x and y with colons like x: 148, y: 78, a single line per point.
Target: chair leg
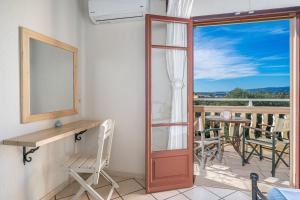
x: 196, y: 154
x: 84, y: 184
x: 107, y: 177
x: 273, y: 157
x: 203, y: 156
x: 219, y: 155
x: 280, y: 156
x: 253, y: 150
x: 243, y: 148
x: 260, y: 152
x: 89, y: 181
x: 113, y: 183
x: 289, y: 155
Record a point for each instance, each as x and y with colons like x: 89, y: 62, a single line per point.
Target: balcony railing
x: 250, y: 101
x: 257, y: 114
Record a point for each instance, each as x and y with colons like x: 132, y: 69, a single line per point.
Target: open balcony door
x: 169, y: 103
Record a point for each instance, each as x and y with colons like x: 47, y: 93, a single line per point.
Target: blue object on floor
x: 275, y: 194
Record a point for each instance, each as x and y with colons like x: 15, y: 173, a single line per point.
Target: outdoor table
x: 235, y: 139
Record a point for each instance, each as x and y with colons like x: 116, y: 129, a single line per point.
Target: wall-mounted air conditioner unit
x: 107, y: 11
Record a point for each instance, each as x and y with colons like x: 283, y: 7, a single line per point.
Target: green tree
x: 238, y: 93
x: 244, y: 94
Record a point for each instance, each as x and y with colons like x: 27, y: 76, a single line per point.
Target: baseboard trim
x: 125, y: 174
x: 55, y: 191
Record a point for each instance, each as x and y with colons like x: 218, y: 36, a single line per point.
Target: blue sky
x: 248, y: 55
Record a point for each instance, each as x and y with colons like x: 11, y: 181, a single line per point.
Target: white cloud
x: 275, y: 74
x: 217, y: 59
x: 259, y: 29
x: 279, y: 30
x: 271, y: 58
x: 275, y: 66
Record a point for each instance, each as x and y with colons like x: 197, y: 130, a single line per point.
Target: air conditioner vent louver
x: 99, y: 20
x: 106, y: 11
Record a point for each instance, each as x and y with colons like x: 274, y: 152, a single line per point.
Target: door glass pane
x: 169, y: 86
x: 169, y: 138
x: 170, y: 34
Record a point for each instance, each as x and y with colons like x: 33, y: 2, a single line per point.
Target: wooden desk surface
x: 46, y: 136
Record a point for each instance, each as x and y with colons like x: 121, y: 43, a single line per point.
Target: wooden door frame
x: 265, y: 15
x: 296, y: 64
x: 149, y: 125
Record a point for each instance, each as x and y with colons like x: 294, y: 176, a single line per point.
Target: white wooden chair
x: 94, y: 164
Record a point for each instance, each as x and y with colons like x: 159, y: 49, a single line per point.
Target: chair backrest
x: 105, y: 137
x: 283, y: 126
x: 200, y: 124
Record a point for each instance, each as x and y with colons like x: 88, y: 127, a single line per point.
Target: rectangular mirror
x: 49, y: 77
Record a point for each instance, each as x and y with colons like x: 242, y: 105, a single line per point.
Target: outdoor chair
x: 206, y: 147
x: 94, y: 165
x: 274, y: 138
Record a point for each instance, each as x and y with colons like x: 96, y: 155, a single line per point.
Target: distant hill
x: 271, y: 90
x: 215, y: 94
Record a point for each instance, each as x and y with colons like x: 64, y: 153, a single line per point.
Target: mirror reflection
x: 51, y: 78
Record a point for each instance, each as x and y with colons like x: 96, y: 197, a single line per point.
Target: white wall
x: 58, y: 19
x: 115, y: 86
x: 115, y: 76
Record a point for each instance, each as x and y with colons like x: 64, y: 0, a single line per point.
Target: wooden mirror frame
x: 26, y: 116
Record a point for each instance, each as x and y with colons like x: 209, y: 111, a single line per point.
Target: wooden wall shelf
x: 46, y: 136
x: 42, y: 137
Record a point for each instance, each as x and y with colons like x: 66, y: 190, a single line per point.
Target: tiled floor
x: 229, y: 173
x: 226, y: 180
x: 133, y: 189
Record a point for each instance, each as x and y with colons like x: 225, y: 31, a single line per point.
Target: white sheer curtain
x: 176, y: 67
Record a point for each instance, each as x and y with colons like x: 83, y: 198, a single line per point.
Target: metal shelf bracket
x: 78, y: 135
x: 27, y: 158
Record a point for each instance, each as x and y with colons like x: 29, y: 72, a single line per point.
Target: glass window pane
x: 170, y: 34
x: 169, y: 138
x: 169, y: 86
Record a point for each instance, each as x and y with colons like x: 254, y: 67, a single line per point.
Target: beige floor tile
x: 248, y: 193
x: 238, y: 195
x: 165, y: 195
x: 85, y: 175
x: 272, y: 180
x: 186, y: 189
x: 232, y: 175
x: 119, y: 178
x: 83, y: 197
x: 128, y: 186
x: 141, y: 181
x: 200, y: 193
x: 104, y: 191
x: 139, y: 195
x: 178, y: 197
x: 285, y: 183
x: 69, y: 190
x: 101, y: 183
x: 220, y: 192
